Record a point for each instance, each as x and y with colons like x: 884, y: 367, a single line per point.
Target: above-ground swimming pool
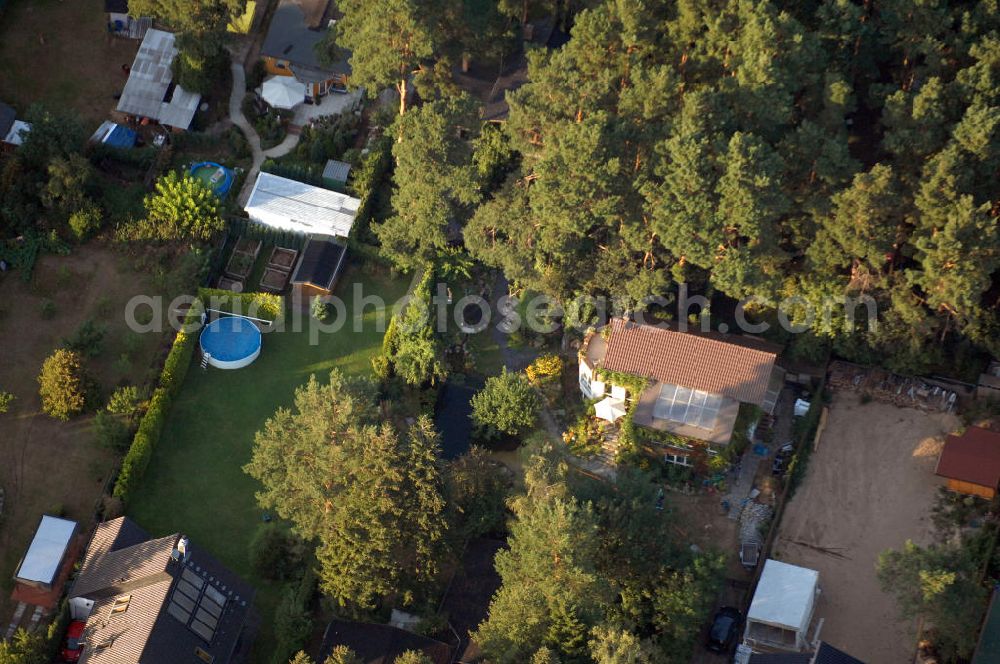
x: 231, y: 342
x: 215, y: 176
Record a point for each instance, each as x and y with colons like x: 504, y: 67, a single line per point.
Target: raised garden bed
x: 239, y: 265
x: 248, y: 246
x: 274, y: 280
x: 282, y: 258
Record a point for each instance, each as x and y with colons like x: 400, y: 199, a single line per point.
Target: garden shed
x: 782, y: 607
x: 317, y: 271
x: 971, y: 462
x: 335, y: 174
x: 41, y: 564
x: 151, y: 92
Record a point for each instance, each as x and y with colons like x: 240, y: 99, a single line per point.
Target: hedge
x: 141, y: 451
x: 259, y: 305
x: 175, y: 367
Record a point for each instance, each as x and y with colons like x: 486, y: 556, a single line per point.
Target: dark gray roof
x: 826, y: 654
x: 336, y: 170
x: 781, y: 658
x: 116, y: 6
x: 381, y: 644
x: 135, y: 584
x: 320, y: 263
x: 7, y: 117
x: 291, y: 37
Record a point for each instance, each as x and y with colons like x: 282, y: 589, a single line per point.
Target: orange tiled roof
x: 972, y: 457
x: 710, y: 364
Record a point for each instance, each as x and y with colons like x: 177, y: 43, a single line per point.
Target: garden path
x: 238, y: 119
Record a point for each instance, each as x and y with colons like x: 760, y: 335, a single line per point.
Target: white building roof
x: 41, y: 562
x: 784, y: 596
x: 290, y: 205
x: 17, y: 131
x: 148, y: 92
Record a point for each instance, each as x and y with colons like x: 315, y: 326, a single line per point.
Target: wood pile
x: 888, y: 387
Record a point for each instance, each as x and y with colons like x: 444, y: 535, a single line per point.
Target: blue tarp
x: 120, y: 137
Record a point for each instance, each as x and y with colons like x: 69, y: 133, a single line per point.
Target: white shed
x: 40, y: 565
x: 782, y: 607
x: 295, y: 206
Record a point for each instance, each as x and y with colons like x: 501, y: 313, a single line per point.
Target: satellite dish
x: 203, y: 106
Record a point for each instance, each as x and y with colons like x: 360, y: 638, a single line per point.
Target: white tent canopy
x: 785, y: 598
x: 610, y: 409
x: 283, y: 92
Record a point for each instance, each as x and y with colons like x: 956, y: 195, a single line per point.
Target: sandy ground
x: 45, y: 464
x: 870, y: 487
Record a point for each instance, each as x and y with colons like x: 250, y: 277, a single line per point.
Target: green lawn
x: 195, y: 483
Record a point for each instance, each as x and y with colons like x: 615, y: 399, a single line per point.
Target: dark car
x: 725, y: 628
x: 73, y: 646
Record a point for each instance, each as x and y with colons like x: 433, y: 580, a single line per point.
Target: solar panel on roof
x: 185, y: 601
x: 188, y: 589
x: 197, y: 604
x: 211, y: 607
x: 207, y: 618
x: 202, y: 630
x: 215, y: 595
x: 178, y: 612
x: 192, y: 578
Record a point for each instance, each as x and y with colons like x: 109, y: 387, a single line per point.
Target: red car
x: 73, y: 646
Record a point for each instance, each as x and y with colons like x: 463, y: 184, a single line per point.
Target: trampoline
x: 230, y: 342
x: 215, y: 176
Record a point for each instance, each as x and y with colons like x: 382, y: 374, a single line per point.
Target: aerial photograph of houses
x: 500, y: 331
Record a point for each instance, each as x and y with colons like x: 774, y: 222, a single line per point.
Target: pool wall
x: 221, y: 188
x: 234, y: 364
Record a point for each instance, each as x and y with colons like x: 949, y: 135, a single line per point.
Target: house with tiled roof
x: 971, y: 462
x: 695, y: 383
x: 157, y: 601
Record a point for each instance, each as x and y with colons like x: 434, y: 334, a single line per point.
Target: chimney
x: 181, y: 552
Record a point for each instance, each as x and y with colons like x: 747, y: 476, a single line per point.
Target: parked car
x: 725, y: 628
x: 781, y: 459
x: 73, y: 645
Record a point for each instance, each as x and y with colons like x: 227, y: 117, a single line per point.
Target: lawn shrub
x: 87, y: 339
x: 141, y: 451
x: 111, y: 431
x: 63, y: 384
x: 275, y: 553
x: 6, y: 399
x: 85, y: 222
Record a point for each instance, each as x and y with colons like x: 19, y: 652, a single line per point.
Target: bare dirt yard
x: 869, y: 487
x: 59, y: 52
x: 47, y: 465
